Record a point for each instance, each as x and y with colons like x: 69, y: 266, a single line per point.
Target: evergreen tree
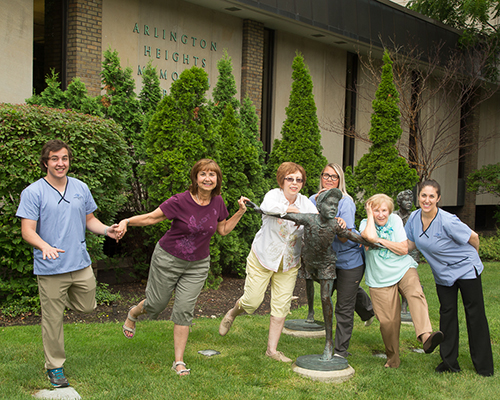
x: 240, y: 163
x: 225, y: 90
x: 250, y: 127
x: 174, y: 139
x: 120, y: 101
x: 122, y: 105
x: 150, y: 94
x: 382, y: 169
x: 300, y: 135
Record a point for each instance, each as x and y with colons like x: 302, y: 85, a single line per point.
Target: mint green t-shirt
x: 383, y: 267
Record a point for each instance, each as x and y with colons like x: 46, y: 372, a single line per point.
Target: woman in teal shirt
x: 390, y: 271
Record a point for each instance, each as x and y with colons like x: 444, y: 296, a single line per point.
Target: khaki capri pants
x: 168, y: 273
x: 257, y: 279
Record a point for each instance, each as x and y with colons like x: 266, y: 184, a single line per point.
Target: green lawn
x: 102, y: 364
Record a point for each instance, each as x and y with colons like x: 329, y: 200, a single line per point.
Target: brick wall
x: 252, y: 63
x: 84, y: 43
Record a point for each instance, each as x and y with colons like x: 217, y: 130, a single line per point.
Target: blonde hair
x: 378, y: 199
x: 340, y: 172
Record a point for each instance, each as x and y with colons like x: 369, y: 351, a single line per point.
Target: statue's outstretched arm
x: 354, y: 237
x: 299, y: 219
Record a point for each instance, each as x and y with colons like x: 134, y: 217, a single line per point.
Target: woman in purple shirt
x: 181, y: 259
x: 451, y: 249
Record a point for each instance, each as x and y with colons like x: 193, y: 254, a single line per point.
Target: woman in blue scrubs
x: 451, y: 249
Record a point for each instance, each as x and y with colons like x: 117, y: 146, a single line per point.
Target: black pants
x: 477, y: 326
x: 350, y: 297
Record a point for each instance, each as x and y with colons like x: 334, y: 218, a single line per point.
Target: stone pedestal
x: 336, y: 370
x: 67, y: 393
x: 303, y: 328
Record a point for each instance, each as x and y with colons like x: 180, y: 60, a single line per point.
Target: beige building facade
x: 262, y: 38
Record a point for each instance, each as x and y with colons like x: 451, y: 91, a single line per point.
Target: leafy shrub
x: 103, y: 296
x: 486, y: 180
x: 100, y: 160
x: 489, y: 248
x: 25, y: 305
x: 75, y: 97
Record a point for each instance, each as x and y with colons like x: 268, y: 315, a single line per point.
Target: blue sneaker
x: 57, y: 378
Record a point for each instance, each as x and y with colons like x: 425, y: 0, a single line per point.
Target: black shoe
x: 444, y: 368
x: 57, y: 378
x: 433, y: 341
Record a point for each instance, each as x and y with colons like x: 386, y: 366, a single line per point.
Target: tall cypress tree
x: 174, y: 139
x: 300, y: 135
x: 239, y: 160
x: 382, y: 169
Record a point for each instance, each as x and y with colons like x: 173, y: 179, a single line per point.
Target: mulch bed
x: 211, y: 303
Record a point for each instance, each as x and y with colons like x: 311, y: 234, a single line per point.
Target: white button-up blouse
x: 279, y: 239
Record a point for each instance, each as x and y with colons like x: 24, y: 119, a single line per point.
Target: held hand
x: 121, y: 229
x: 341, y: 222
x: 51, y: 252
x: 242, y: 203
x: 292, y: 210
x: 321, y: 191
x: 112, y: 232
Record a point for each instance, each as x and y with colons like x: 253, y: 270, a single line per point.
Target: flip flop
x: 184, y: 371
x: 128, y: 329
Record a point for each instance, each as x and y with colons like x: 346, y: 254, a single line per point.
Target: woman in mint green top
x: 390, y: 271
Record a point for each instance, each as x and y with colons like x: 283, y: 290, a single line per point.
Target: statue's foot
x: 327, y: 356
x: 310, y: 318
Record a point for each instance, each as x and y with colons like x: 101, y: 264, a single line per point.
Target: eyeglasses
x: 327, y: 177
x: 291, y: 180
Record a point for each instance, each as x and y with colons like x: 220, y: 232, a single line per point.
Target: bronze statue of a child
x: 317, y: 252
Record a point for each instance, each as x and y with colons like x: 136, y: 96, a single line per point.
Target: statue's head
x: 405, y: 200
x: 327, y: 203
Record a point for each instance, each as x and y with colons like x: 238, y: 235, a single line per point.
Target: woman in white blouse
x: 275, y: 256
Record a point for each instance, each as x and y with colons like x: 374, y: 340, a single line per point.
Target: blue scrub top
x: 349, y: 254
x: 61, y: 222
x: 445, y: 245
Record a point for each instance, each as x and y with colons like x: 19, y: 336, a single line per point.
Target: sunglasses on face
x: 328, y: 177
x: 291, y: 180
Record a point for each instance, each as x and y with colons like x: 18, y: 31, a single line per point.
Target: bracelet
x: 128, y: 221
x: 106, y: 231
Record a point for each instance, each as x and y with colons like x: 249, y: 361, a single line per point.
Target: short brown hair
x: 54, y: 146
x: 288, y: 168
x: 205, y: 164
x: 378, y: 199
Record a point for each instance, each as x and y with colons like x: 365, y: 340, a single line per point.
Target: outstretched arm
x: 225, y: 227
x: 354, y: 237
x: 299, y: 219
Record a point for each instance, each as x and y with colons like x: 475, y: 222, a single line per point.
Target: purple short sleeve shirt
x: 192, y: 226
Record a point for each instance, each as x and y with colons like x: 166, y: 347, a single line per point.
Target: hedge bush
x: 489, y: 247
x: 100, y: 160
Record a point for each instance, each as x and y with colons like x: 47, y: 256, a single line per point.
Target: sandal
x: 182, y: 371
x: 125, y: 328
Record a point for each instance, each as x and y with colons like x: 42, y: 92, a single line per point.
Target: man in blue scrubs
x: 55, y: 212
